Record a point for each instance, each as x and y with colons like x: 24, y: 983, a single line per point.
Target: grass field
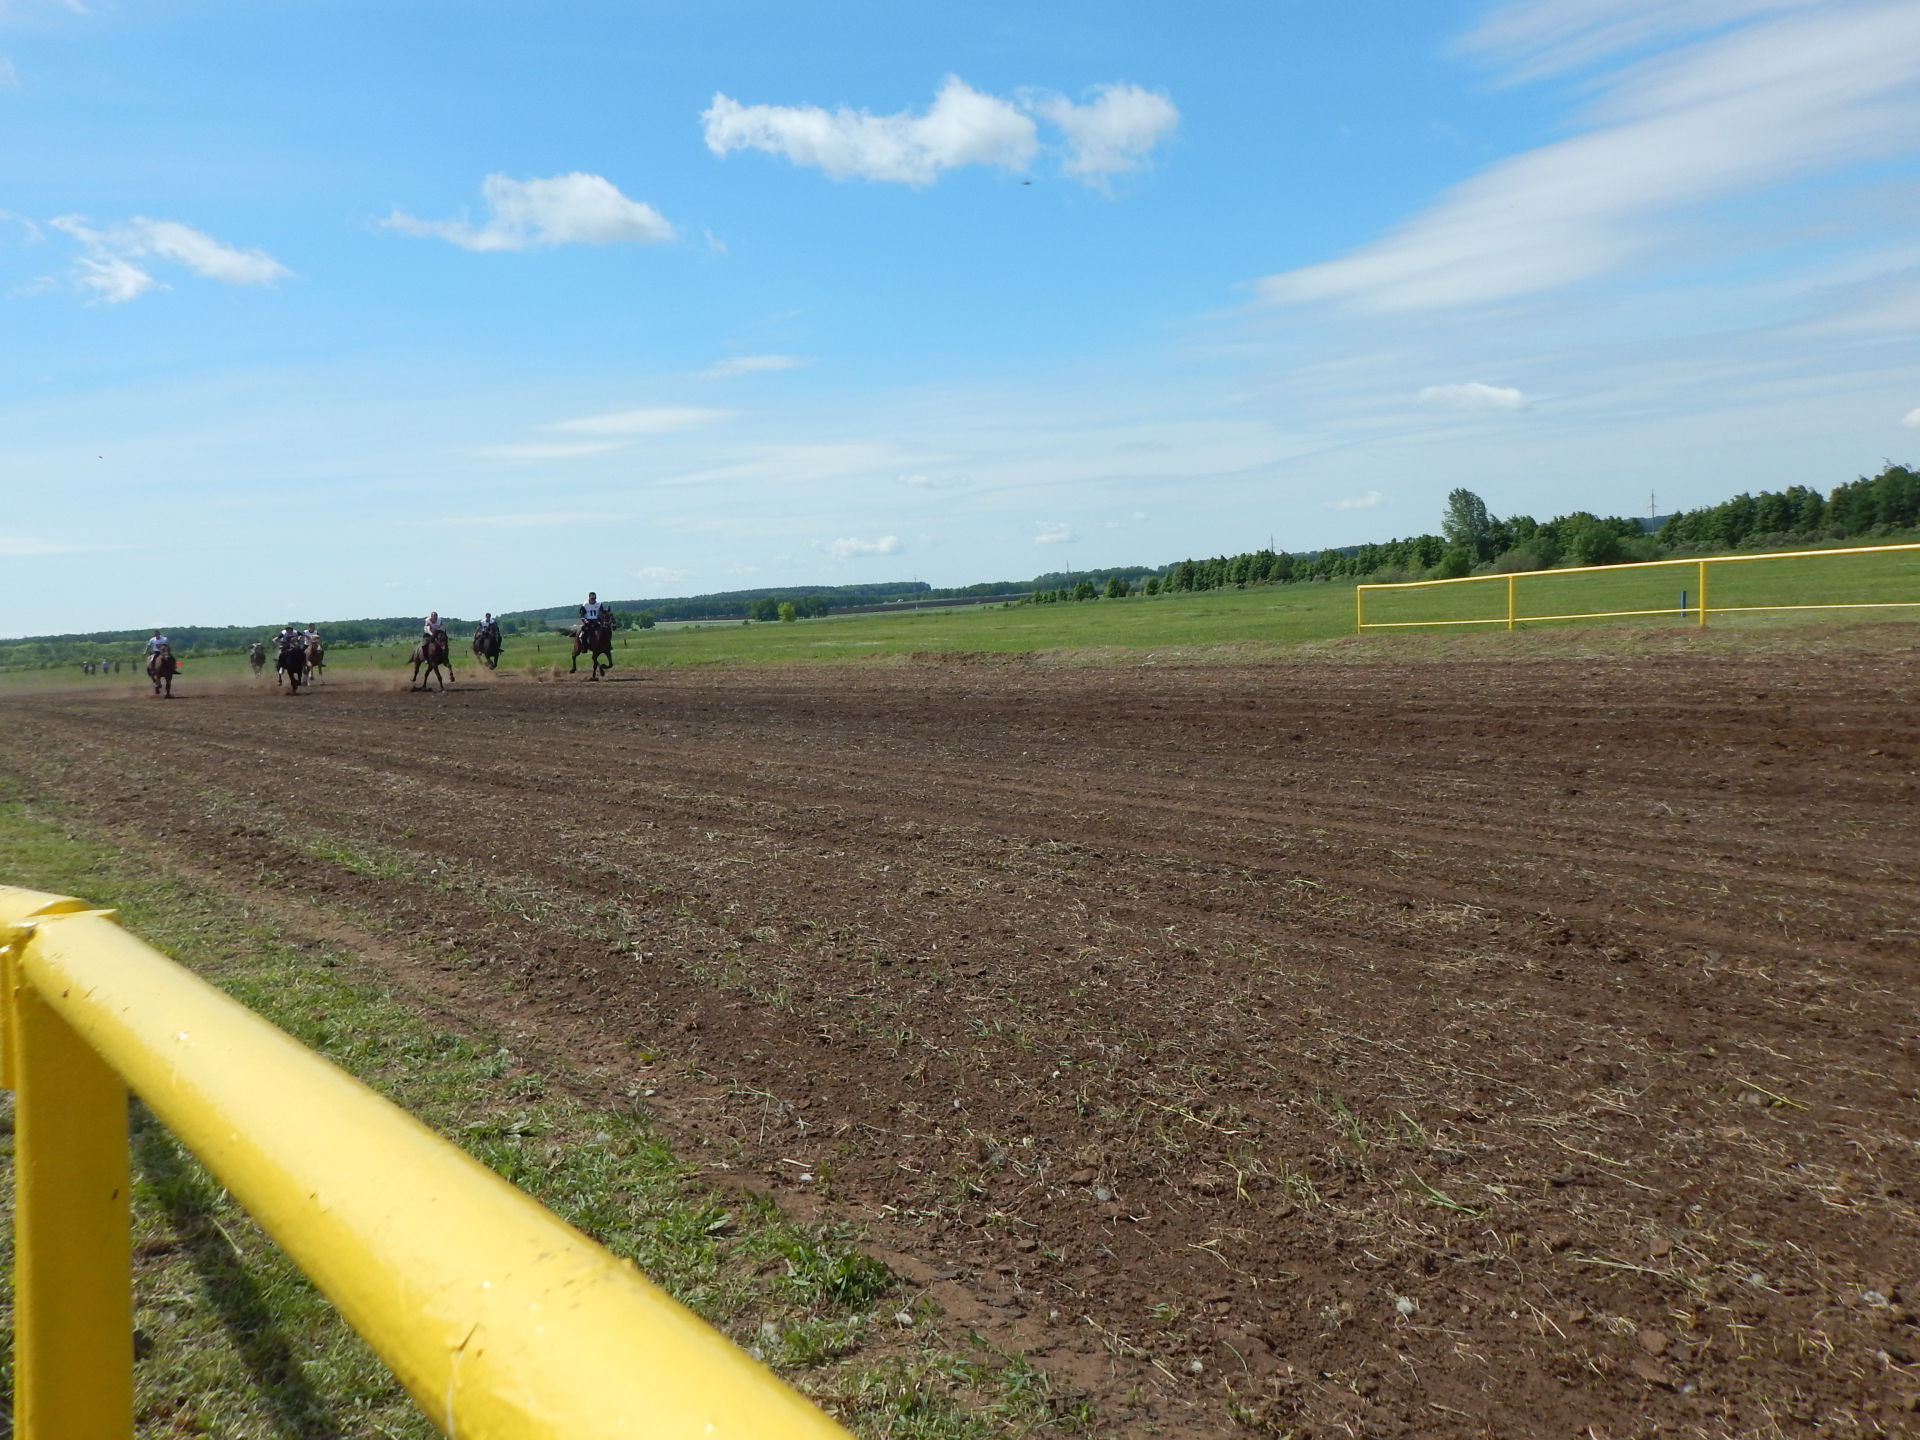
x: 1274, y: 617
x: 1671, y: 590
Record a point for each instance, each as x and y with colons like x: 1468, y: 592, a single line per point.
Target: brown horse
x: 257, y: 657
x: 290, y: 665
x: 486, y: 646
x: 316, y: 660
x: 593, y: 639
x: 431, y: 652
x: 161, y: 668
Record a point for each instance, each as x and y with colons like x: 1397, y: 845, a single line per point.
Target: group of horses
x: 594, y: 639
x: 302, y: 662
x: 298, y: 662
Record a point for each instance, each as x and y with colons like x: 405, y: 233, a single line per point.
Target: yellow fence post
x: 73, y: 1256
x: 1509, y: 602
x: 1703, y: 594
x: 1359, y: 608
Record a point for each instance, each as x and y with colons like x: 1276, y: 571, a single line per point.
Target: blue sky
x: 316, y: 309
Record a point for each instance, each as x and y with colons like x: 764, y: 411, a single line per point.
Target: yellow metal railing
x: 500, y: 1319
x: 1694, y: 610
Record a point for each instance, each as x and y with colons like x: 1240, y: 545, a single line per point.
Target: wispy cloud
x: 658, y: 574
x: 1114, y: 132
x: 1357, y: 502
x: 658, y: 420
x: 107, y: 268
x: 751, y: 365
x: 1056, y: 534
x: 851, y: 546
x: 1796, y: 90
x: 21, y: 547
x: 533, y: 519
x: 961, y: 127
x: 548, y: 450
x: 1473, y: 396
x: 571, y: 209
x: 9, y: 74
x: 1912, y: 417
x: 919, y: 481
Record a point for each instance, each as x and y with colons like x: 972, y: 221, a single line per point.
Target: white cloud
x: 1112, y: 133
x: 578, y: 450
x: 113, y: 281
x: 660, y: 420
x: 1055, y: 535
x: 9, y: 74
x: 658, y: 575
x: 751, y: 365
x: 1784, y: 96
x: 1912, y: 417
x: 199, y: 252
x: 850, y: 546
x: 1544, y: 37
x: 1357, y: 502
x: 571, y: 209
x: 961, y: 127
x: 1473, y: 396
x: 16, y: 547
x: 533, y: 519
x: 936, y: 482
x: 107, y: 267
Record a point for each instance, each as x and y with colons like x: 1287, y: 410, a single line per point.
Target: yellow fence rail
x: 1691, y: 608
x: 498, y: 1318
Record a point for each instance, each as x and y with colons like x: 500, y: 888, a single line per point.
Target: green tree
x: 1117, y: 588
x: 786, y: 611
x: 1467, y: 525
x: 645, y: 620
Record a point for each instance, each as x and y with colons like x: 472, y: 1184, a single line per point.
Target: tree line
x: 1471, y: 540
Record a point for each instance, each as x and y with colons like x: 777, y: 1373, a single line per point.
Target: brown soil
x: 1396, y: 1049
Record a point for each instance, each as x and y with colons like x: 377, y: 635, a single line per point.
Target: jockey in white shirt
x: 158, y: 643
x: 590, y: 613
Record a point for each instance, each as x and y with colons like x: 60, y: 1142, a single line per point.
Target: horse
x: 292, y: 665
x: 593, y: 639
x: 257, y: 656
x: 486, y: 646
x: 316, y: 660
x: 432, y: 652
x: 161, y: 668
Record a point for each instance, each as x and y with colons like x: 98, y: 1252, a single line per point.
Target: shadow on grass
x: 189, y: 1199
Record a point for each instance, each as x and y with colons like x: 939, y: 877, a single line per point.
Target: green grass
x: 238, y: 1344
x: 1813, y: 580
x: 1266, y: 617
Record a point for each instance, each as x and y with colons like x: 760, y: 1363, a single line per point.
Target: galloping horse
x: 593, y: 639
x: 257, y: 657
x: 316, y: 660
x: 161, y: 668
x: 432, y: 652
x: 486, y: 646
x: 292, y: 665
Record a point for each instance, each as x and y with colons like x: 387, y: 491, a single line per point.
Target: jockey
x: 312, y: 635
x: 488, y: 623
x: 591, y: 613
x: 288, y: 638
x: 431, y: 626
x: 158, y: 643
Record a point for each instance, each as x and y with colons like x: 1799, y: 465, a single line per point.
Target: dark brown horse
x: 486, y: 646
x: 593, y: 639
x: 316, y: 660
x: 291, y: 665
x: 257, y: 657
x: 432, y: 653
x: 161, y: 668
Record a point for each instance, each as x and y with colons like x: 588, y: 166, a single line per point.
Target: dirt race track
x: 1345, y: 1049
